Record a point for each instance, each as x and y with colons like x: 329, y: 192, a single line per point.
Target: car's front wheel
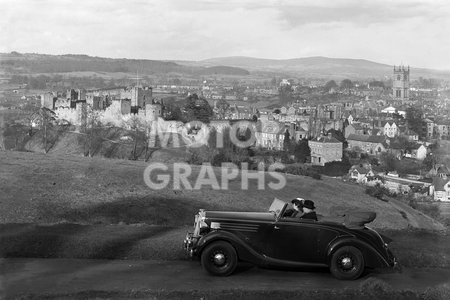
x: 219, y: 258
x: 347, y: 263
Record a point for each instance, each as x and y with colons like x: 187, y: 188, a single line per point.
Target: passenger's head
x: 308, y: 206
x: 297, y: 204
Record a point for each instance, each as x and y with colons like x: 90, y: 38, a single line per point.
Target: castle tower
x: 153, y: 111
x: 400, y: 84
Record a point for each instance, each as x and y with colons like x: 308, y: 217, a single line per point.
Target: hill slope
x: 42, y: 63
x: 321, y: 67
x: 312, y: 67
x: 50, y: 188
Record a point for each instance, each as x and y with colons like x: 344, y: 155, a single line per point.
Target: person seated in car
x: 308, y: 210
x: 296, y: 209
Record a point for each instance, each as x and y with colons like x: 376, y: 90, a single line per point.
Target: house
x: 411, y: 135
x: 441, y: 189
x: 389, y: 110
x: 270, y: 134
x: 354, y: 128
x: 350, y: 119
x: 325, y: 149
x: 429, y: 127
x: 419, y: 152
x: 300, y: 132
x: 438, y: 171
x: 390, y: 129
x: 371, y: 144
x: 360, y: 173
x: 443, y: 128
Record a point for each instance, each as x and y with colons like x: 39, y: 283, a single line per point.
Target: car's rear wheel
x: 347, y: 263
x: 219, y: 258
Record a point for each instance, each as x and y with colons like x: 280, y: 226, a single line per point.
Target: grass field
x: 77, y: 207
x: 39, y: 188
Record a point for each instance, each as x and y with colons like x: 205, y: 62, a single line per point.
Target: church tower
x: 400, y: 84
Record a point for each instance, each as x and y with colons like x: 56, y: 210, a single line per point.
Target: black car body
x: 345, y: 245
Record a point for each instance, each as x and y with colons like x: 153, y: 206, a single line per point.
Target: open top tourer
x: 343, y: 243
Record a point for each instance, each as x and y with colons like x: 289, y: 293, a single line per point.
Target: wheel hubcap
x: 347, y: 263
x: 219, y: 259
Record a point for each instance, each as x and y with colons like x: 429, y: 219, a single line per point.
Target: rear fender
x: 244, y: 252
x: 372, y: 257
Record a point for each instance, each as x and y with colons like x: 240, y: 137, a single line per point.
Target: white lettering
x: 163, y: 179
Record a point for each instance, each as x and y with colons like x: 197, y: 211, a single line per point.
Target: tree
x: 302, y: 151
x: 274, y: 82
x: 287, y: 141
x: 389, y: 161
x: 229, y: 152
x: 2, y: 126
x: 45, y: 117
x: 137, y: 133
x: 330, y: 85
x: 376, y: 83
x: 414, y: 117
x: 404, y: 143
x: 172, y: 112
x: 197, y: 109
x: 222, y: 108
x: 346, y: 84
x: 91, y: 130
x: 285, y: 91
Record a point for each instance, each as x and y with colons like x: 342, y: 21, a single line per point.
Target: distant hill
x: 42, y: 63
x: 312, y: 67
x: 320, y: 67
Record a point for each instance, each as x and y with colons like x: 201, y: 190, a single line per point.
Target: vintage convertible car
x: 343, y: 244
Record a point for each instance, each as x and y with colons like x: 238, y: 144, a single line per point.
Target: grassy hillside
x: 42, y: 63
x: 54, y: 188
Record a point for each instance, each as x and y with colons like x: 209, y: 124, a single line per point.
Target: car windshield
x: 277, y: 207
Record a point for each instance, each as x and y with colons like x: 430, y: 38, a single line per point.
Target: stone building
x: 153, y: 110
x: 371, y: 144
x: 270, y: 134
x: 139, y: 96
x: 48, y: 100
x: 96, y: 102
x: 400, y: 84
x: 325, y: 149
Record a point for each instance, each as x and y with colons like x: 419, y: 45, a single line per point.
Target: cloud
x: 385, y: 31
x: 359, y: 13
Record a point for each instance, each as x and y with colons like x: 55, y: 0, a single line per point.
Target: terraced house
x: 270, y: 134
x: 443, y: 128
x: 371, y: 144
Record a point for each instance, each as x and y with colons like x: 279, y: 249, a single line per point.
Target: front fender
x: 243, y: 250
x: 373, y: 258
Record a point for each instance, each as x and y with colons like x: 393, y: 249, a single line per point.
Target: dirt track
x: 62, y: 277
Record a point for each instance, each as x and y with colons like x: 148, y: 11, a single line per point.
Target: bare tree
x: 44, y: 118
x: 2, y: 125
x: 91, y: 129
x: 135, y: 125
x: 151, y: 141
x: 144, y: 140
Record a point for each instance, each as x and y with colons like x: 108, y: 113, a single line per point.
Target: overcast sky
x: 393, y: 32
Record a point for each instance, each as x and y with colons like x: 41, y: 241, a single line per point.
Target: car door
x: 293, y: 240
